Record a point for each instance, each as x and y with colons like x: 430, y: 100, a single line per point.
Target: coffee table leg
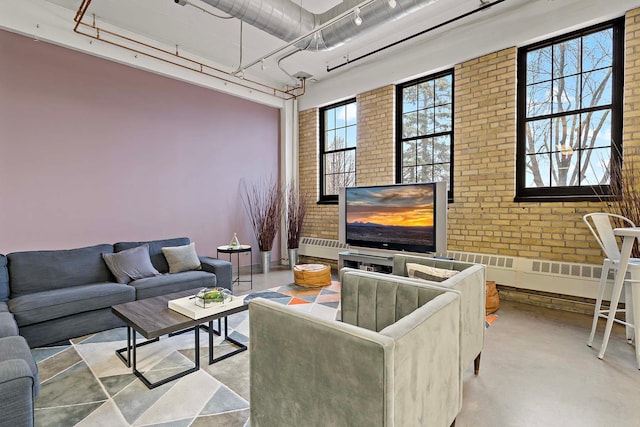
x: 240, y: 347
x: 131, y: 333
x: 196, y: 367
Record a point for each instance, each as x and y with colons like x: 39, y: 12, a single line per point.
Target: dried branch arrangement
x: 263, y: 202
x: 625, y: 190
x: 296, y: 210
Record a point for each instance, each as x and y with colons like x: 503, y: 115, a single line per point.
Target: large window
x: 338, y: 137
x: 569, y: 114
x: 424, y: 140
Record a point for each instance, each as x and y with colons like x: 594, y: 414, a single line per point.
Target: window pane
x: 424, y: 173
x: 595, y: 166
x: 566, y: 58
x: 352, y: 114
x: 539, y: 65
x: 596, y: 129
x: 539, y: 99
x: 443, y: 90
x: 409, y: 175
x: 596, y: 88
x: 341, y: 116
x: 352, y: 137
x: 566, y: 133
x: 443, y: 118
x: 425, y: 121
x: 538, y: 167
x: 330, y: 140
x: 538, y: 136
x: 330, y: 119
x: 426, y: 95
x: 442, y: 149
x: 341, y: 138
x: 332, y: 163
x: 349, y: 161
x: 409, y: 153
x: 563, y: 165
x: 424, y: 151
x: 597, y: 50
x: 410, y: 99
x: 409, y: 125
x: 565, y: 94
x: 441, y: 172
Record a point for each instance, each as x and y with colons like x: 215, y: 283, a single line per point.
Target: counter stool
x: 600, y: 225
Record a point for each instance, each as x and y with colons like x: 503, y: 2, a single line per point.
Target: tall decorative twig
x: 296, y: 210
x: 263, y: 202
x: 625, y: 190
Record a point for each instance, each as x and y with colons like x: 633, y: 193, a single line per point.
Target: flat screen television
x: 401, y: 217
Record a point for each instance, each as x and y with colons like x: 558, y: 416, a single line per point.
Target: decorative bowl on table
x: 209, y: 297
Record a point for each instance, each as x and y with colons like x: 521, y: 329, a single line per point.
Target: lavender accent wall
x: 92, y: 151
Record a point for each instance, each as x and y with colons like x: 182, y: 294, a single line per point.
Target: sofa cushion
x: 182, y: 258
x: 3, y: 307
x: 130, y: 264
x: 168, y: 283
x: 39, y: 271
x: 4, y: 279
x: 425, y: 272
x: 155, y: 250
x: 42, y: 306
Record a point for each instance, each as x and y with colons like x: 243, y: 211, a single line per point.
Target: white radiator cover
x: 565, y: 278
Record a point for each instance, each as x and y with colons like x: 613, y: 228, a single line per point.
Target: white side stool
x: 629, y: 236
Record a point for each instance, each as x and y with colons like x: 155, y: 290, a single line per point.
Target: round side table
x: 226, y: 249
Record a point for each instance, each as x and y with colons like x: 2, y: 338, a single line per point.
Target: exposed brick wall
x: 483, y: 218
x: 375, y: 158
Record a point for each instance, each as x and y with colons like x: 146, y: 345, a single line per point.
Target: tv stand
x: 366, y: 262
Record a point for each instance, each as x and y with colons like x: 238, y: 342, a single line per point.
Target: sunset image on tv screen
x: 402, y: 214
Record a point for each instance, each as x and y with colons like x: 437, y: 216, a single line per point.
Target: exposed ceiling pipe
x: 288, y: 21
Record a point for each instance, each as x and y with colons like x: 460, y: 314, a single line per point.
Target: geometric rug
x: 84, y: 383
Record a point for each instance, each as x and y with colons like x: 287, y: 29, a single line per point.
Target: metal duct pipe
x: 280, y: 18
x: 373, y: 15
x: 288, y: 21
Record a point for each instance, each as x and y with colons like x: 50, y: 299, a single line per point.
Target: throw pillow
x: 130, y: 264
x: 182, y: 258
x: 419, y: 271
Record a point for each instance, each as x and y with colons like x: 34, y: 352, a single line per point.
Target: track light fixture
x: 357, y: 18
x: 392, y: 4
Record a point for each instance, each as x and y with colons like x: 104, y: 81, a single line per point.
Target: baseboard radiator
x: 564, y: 278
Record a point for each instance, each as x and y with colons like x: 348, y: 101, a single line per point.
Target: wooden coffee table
x: 152, y: 318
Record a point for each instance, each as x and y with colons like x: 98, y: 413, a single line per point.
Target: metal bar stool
x: 600, y: 225
x: 631, y: 265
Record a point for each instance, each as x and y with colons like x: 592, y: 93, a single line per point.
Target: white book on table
x: 187, y: 306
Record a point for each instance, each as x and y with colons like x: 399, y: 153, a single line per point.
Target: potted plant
x: 263, y: 202
x: 296, y: 210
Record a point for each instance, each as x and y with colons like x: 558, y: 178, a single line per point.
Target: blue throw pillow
x: 131, y: 264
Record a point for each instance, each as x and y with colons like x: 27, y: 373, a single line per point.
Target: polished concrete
x: 536, y: 370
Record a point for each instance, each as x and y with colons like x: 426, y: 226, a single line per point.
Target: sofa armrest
x: 8, y: 325
x: 222, y: 269
x: 327, y: 372
x: 17, y: 390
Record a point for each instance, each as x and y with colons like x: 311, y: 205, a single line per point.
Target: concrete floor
x: 537, y: 370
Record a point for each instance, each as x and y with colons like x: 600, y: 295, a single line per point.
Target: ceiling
x: 217, y: 41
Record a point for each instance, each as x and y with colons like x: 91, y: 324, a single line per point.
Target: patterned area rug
x: 85, y: 384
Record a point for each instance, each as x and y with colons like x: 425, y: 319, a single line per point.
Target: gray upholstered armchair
x: 394, y: 360
x: 470, y: 281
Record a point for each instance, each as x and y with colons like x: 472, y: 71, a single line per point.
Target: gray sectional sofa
x: 60, y: 294
x: 49, y: 296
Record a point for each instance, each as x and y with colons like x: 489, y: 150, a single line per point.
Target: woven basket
x: 312, y: 275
